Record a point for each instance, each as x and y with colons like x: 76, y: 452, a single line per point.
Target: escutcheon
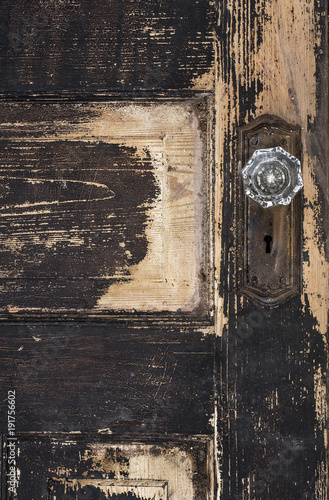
x: 268, y: 211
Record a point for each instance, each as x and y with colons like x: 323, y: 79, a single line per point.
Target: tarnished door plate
x: 268, y: 239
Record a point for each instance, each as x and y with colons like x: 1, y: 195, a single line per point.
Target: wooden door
x: 153, y: 344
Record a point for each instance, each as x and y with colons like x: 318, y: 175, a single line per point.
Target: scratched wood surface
x: 135, y: 470
x: 94, y: 377
x: 103, y: 208
x: 99, y: 378
x: 144, y: 378
x: 97, y: 44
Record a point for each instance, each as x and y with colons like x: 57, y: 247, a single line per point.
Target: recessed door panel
x: 66, y: 467
x: 103, y: 208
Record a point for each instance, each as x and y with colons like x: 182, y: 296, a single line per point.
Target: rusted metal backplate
x: 103, y: 207
x: 61, y: 467
x: 268, y: 274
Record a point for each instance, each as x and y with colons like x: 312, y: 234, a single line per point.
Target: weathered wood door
x: 162, y: 335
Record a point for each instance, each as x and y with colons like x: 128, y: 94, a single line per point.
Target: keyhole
x: 268, y: 240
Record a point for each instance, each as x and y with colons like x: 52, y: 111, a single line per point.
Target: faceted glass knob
x: 272, y: 177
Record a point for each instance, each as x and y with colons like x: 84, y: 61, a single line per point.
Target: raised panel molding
x: 60, y: 466
x: 107, y: 489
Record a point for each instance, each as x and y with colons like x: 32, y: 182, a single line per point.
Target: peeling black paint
x: 70, y: 188
x: 102, y: 45
x: 275, y: 442
x: 138, y: 381
x: 52, y: 466
x: 158, y: 380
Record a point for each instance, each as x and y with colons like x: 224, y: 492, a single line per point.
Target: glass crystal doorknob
x: 272, y: 177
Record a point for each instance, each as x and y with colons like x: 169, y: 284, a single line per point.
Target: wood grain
x: 156, y: 378
x: 104, y: 468
x: 83, y: 44
x: 102, y: 208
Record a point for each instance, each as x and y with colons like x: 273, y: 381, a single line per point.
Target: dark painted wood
x: 269, y: 360
x: 97, y: 44
x: 84, y: 377
x: 101, y: 464
x: 57, y: 240
x: 77, y: 208
x: 134, y: 379
x: 152, y: 379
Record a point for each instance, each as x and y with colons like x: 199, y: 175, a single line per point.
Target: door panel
x: 109, y: 45
x: 135, y: 380
x: 102, y: 489
x: 98, y: 467
x: 107, y: 273
x: 104, y: 207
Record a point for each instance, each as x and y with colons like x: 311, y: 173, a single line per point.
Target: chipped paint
x: 320, y: 390
x: 206, y: 81
x: 173, y: 464
x: 167, y: 278
x: 139, y: 489
x: 174, y: 468
x: 169, y: 150
x: 271, y: 363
